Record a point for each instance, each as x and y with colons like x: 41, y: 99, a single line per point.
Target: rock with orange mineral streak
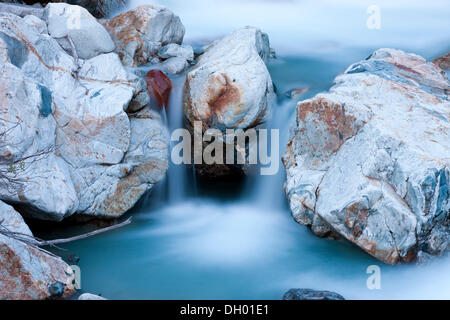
x: 369, y: 160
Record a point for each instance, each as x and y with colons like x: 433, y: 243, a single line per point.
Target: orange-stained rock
x: 139, y: 33
x: 369, y: 159
x: 159, y: 86
x: 443, y: 62
x: 27, y: 273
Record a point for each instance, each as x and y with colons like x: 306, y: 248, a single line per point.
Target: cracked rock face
x: 97, y: 160
x: 140, y: 33
x: 230, y: 86
x: 370, y: 159
x: 26, y: 273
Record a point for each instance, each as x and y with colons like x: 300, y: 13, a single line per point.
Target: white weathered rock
x: 141, y: 97
x: 369, y: 160
x: 173, y: 65
x: 73, y: 112
x: 87, y: 35
x: 119, y: 187
x: 37, y: 23
x: 22, y: 10
x: 140, y: 33
x: 90, y: 296
x: 230, y: 86
x: 176, y: 50
x: 26, y: 272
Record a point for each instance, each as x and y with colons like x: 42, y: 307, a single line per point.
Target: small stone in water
x: 56, y: 289
x: 159, y: 85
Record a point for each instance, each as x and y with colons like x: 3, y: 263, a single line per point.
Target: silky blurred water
x: 231, y: 242
x: 310, y: 27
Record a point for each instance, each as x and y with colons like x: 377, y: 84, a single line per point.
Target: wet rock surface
x: 369, y: 160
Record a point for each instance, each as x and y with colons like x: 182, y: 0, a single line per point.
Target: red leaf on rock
x: 159, y: 85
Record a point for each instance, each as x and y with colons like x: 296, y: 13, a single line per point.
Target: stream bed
x: 193, y: 240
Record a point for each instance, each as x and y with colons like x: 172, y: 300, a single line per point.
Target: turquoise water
x: 215, y: 244
x: 238, y: 241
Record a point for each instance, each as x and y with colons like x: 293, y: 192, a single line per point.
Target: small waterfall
x: 177, y: 175
x: 267, y: 190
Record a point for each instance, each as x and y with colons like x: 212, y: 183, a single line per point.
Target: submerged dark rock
x: 309, y: 294
x: 56, y: 289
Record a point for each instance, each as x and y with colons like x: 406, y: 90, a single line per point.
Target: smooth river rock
x: 369, y: 160
x: 72, y: 114
x: 140, y: 33
x: 27, y: 273
x: 230, y: 87
x: 176, y: 50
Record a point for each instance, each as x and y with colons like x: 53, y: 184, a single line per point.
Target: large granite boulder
x: 140, y: 33
x: 26, y: 272
x: 77, y: 26
x: 230, y: 88
x: 370, y: 159
x: 69, y: 143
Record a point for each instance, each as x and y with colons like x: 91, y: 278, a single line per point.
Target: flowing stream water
x: 203, y: 240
